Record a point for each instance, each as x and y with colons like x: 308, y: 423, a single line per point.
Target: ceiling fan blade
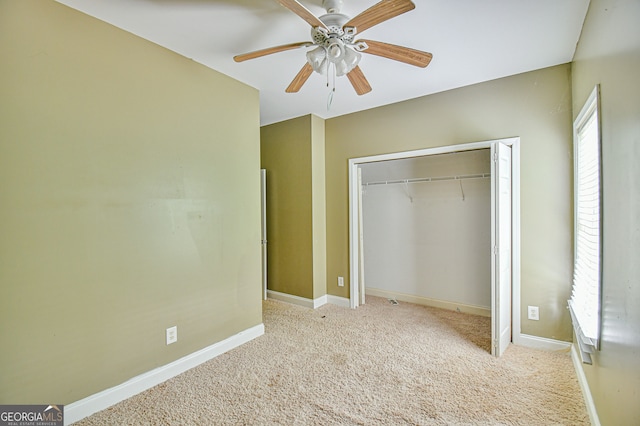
x: 303, y: 12
x: 380, y: 12
x: 270, y: 50
x: 398, y: 53
x: 300, y: 79
x: 359, y: 81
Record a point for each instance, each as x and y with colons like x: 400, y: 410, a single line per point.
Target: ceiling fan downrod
x: 332, y: 6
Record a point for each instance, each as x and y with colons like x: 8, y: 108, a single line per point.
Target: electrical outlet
x: 172, y: 334
x: 340, y: 281
x: 533, y: 313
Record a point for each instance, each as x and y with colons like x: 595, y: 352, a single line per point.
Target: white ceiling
x: 471, y: 41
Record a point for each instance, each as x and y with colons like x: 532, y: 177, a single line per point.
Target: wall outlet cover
x: 172, y: 334
x: 533, y: 313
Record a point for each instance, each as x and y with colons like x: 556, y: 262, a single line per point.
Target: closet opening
x: 440, y: 227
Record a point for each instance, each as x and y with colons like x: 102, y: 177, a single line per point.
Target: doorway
x: 505, y: 232
x: 424, y: 217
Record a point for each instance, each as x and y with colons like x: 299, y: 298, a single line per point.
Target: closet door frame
x: 354, y: 217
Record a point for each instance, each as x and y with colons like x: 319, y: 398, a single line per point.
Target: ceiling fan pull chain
x: 333, y: 89
x: 328, y: 66
x: 334, y: 78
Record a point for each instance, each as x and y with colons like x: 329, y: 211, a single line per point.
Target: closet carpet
x: 380, y: 364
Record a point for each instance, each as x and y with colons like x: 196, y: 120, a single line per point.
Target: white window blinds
x: 585, y: 298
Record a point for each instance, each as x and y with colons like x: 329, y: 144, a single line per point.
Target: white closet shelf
x: 429, y: 179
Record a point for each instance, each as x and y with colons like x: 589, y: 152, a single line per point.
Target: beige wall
x: 129, y: 203
x: 609, y: 54
x: 286, y: 155
x: 535, y: 106
x: 292, y: 152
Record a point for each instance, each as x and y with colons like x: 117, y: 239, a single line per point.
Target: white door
x: 263, y: 236
x: 501, y: 248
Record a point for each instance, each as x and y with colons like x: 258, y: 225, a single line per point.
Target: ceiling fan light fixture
x: 350, y: 61
x: 317, y: 58
x: 336, y: 50
x: 335, y: 53
x: 344, y: 58
x: 341, y: 69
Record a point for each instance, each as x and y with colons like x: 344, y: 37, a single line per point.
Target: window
x: 587, y: 276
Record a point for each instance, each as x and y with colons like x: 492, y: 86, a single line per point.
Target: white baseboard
x: 541, y: 343
x: 290, y: 298
x: 322, y: 300
x: 308, y: 303
x: 338, y: 301
x: 584, y: 386
x: 425, y: 301
x: 92, y: 404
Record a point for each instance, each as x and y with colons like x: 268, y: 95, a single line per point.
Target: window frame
x: 588, y: 344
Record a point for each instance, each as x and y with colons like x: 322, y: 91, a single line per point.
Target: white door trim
x: 354, y: 249
x: 263, y: 241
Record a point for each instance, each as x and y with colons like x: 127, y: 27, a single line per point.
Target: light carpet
x: 380, y: 364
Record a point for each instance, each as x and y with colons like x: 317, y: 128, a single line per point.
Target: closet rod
x: 429, y: 179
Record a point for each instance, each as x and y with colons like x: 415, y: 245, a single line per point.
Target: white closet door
x: 501, y: 248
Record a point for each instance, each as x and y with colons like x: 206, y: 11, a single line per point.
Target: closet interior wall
x: 429, y: 238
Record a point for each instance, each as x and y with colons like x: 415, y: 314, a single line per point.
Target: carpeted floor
x: 380, y: 364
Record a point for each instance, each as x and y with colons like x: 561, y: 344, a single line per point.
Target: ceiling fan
x: 336, y: 49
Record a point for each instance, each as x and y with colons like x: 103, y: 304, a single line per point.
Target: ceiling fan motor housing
x: 334, y: 23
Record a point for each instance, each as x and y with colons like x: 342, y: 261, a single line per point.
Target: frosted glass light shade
x: 349, y: 62
x: 317, y: 58
x: 344, y: 58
